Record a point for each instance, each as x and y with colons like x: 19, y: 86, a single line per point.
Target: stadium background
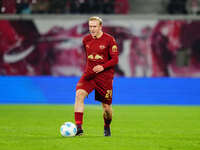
x: 42, y: 59
x: 41, y: 54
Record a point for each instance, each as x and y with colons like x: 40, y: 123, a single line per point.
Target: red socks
x: 79, y: 119
x: 107, y: 122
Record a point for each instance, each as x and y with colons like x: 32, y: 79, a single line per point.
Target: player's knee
x: 106, y: 107
x: 80, y: 95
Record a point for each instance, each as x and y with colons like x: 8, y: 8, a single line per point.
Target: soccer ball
x: 68, y: 129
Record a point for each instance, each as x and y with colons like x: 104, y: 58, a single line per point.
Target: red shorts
x: 103, y: 88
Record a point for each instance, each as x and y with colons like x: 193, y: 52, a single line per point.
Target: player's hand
x: 98, y: 68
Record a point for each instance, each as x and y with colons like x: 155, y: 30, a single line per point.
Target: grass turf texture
x: 36, y: 127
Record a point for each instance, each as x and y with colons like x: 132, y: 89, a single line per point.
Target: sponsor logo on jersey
x: 98, y: 57
x: 95, y: 57
x: 90, y: 56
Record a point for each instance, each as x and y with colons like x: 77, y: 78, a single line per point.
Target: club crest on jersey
x: 101, y: 46
x: 114, y: 48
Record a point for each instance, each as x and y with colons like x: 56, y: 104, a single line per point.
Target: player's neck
x: 98, y: 35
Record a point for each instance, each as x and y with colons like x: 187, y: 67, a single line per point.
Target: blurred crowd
x: 64, y: 6
x: 183, y: 7
x: 95, y: 6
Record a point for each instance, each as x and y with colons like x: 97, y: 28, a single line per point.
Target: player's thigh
x: 84, y: 87
x: 103, y: 92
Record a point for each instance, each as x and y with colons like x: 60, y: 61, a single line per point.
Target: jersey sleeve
x: 113, y: 53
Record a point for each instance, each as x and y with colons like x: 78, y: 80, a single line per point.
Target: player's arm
x: 113, y: 52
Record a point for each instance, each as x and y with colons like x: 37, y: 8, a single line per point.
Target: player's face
x: 95, y: 28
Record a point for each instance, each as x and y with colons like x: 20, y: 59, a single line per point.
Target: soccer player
x: 102, y: 55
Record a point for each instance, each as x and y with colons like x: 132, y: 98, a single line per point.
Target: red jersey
x: 102, y: 51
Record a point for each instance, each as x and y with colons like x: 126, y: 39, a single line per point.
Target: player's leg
x: 107, y: 115
x: 103, y: 93
x: 79, y: 100
x: 79, y: 109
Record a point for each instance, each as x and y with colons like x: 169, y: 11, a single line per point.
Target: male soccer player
x: 102, y: 56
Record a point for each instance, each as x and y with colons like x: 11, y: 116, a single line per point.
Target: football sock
x: 79, y: 119
x: 107, y: 122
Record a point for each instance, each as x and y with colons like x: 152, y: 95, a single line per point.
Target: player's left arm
x: 113, y: 52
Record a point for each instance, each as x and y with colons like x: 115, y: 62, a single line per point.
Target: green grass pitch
x: 36, y: 127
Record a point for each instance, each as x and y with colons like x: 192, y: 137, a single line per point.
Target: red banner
x: 147, y: 48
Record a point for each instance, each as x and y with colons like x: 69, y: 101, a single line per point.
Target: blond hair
x: 96, y: 18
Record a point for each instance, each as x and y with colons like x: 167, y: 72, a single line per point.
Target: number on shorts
x: 108, y: 94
